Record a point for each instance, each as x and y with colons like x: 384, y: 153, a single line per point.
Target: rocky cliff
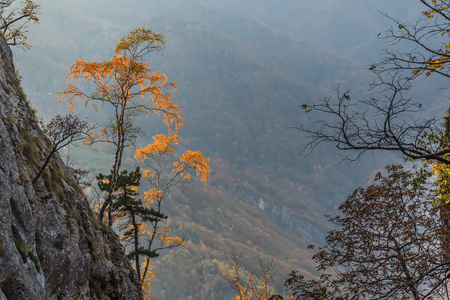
x: 51, y: 244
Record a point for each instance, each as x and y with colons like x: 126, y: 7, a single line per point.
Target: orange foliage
x: 163, y: 144
x: 147, y: 281
x: 120, y: 81
x: 248, y: 285
x: 13, y: 23
x: 154, y: 154
x: 152, y: 196
x: 165, y: 239
x: 190, y: 159
x: 139, y: 41
x: 125, y: 79
x: 195, y: 160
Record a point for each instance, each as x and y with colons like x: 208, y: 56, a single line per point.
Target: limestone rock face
x: 51, y: 244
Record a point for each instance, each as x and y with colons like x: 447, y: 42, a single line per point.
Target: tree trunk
x: 44, y: 165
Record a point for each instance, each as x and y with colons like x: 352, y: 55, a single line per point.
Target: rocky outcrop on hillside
x: 51, y: 244
x: 278, y: 212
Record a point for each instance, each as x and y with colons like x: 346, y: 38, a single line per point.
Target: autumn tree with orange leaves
x: 249, y: 285
x: 124, y: 83
x: 141, y: 222
x: 14, y: 20
x: 162, y: 175
x: 128, y: 86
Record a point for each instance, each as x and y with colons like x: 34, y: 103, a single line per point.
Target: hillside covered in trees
x: 242, y: 70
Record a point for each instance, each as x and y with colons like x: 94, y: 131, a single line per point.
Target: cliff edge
x: 51, y: 244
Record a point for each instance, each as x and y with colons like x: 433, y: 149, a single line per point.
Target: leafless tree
x: 388, y: 245
x: 311, y: 289
x: 62, y: 131
x: 392, y: 120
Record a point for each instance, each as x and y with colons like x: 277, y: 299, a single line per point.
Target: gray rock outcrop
x: 51, y: 244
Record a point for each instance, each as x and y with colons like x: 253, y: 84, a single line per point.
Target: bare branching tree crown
x: 62, y: 131
x: 391, y: 119
x: 388, y: 245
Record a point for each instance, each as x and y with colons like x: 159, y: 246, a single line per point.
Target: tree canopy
x: 387, y: 245
x: 14, y: 20
x: 125, y: 83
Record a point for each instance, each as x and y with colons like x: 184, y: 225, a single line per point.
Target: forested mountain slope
x: 241, y: 75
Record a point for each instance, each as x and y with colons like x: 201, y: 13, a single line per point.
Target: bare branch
x: 389, y: 122
x: 62, y: 131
